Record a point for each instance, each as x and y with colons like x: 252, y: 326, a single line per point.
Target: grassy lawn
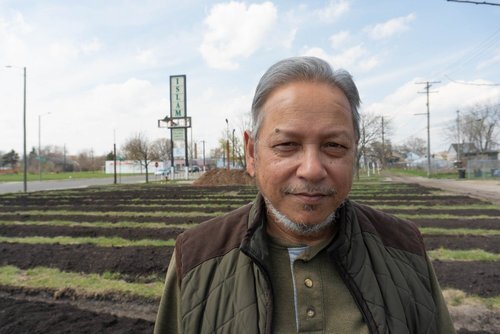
x: 423, y: 173
x: 53, y: 176
x: 92, y: 284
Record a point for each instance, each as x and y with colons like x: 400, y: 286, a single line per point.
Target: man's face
x: 304, y: 154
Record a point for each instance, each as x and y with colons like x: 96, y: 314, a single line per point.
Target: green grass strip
x: 443, y: 216
x: 462, y: 255
x: 457, y: 231
x: 454, y: 297
x: 437, y: 207
x: 97, y: 224
x: 83, y: 284
x: 117, y: 213
x: 98, y: 241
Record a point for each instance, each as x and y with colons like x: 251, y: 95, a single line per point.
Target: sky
x: 98, y: 71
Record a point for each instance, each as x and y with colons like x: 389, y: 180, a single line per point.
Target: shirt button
x: 311, y: 313
x: 308, y: 282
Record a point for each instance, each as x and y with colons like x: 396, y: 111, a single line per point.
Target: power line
x: 484, y: 46
x: 476, y: 2
x: 469, y: 83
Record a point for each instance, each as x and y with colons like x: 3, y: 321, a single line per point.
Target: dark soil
x: 431, y: 211
x: 22, y: 316
x: 130, y: 261
x: 487, y: 223
x: 107, y: 218
x: 472, y: 277
x: 487, y: 243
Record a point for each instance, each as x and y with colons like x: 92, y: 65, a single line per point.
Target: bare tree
x: 413, y: 145
x: 478, y: 125
x: 373, y: 128
x: 162, y: 148
x: 88, y: 161
x: 140, y: 149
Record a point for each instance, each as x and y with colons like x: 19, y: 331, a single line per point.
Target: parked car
x: 194, y: 168
x: 162, y: 172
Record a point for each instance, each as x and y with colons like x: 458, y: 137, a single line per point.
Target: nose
x: 311, y: 166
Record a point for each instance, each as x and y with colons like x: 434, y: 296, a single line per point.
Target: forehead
x: 309, y: 104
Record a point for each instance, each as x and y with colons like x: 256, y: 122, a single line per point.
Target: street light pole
x: 233, y: 147
x: 227, y: 145
x: 25, y: 176
x: 25, y: 159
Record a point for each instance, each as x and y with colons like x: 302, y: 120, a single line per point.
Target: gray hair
x: 310, y: 69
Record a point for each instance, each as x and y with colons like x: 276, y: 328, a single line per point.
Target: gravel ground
x: 488, y: 190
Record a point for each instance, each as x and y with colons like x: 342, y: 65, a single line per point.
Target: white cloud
x: 287, y: 42
x: 12, y: 47
x: 235, y: 30
x: 354, y: 57
x: 405, y: 106
x: 146, y: 56
x: 91, y: 47
x: 128, y: 107
x: 337, y: 40
x: 391, y: 27
x: 333, y: 10
x: 369, y: 63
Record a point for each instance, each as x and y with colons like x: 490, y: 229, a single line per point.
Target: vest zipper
x: 269, y: 309
x: 353, y: 289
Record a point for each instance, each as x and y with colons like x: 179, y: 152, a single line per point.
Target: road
x: 13, y: 187
x: 488, y: 190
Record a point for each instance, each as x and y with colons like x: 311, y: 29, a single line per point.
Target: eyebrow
x: 277, y: 132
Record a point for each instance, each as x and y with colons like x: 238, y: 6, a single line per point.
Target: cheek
x: 271, y: 172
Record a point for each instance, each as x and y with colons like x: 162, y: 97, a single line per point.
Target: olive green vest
x: 225, y: 286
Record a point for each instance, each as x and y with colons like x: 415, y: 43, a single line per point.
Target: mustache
x: 309, y: 189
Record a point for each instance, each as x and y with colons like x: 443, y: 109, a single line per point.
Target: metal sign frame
x: 178, y: 113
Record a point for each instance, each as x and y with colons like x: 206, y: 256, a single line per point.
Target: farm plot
x: 94, y: 260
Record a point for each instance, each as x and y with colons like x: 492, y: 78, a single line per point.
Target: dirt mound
x: 222, y: 177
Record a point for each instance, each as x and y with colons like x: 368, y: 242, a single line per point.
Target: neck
x: 278, y: 231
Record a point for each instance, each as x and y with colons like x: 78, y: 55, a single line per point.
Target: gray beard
x: 300, y: 228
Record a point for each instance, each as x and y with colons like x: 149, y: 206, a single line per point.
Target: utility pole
x: 203, y: 154
x: 227, y: 145
x: 114, y: 156
x: 458, y: 137
x: 383, y: 144
x: 428, y: 85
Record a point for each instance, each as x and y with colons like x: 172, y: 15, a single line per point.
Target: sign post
x: 178, y: 122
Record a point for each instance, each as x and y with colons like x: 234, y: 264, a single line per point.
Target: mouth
x: 310, y: 198
x: 310, y: 195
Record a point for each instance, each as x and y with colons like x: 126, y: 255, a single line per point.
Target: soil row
x: 134, y: 262
x: 486, y: 223
x: 487, y: 243
x: 476, y: 277
x: 104, y: 218
x: 25, y: 316
x: 227, y: 208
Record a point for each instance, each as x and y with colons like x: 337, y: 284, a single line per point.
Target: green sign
x: 178, y: 96
x: 178, y: 134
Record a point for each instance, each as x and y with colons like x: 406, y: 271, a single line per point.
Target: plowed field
x: 124, y: 236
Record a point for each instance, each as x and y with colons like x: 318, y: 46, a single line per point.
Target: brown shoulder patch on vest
x: 394, y: 232
x: 210, y: 239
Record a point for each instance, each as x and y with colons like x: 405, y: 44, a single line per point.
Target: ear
x: 250, y: 153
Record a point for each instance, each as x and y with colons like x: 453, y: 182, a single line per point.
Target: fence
x: 483, y: 169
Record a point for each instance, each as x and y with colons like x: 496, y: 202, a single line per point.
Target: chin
x: 302, y: 225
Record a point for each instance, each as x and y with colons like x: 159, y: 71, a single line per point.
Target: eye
x: 286, y: 146
x: 334, y: 148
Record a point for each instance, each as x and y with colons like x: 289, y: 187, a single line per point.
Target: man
x: 302, y: 257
